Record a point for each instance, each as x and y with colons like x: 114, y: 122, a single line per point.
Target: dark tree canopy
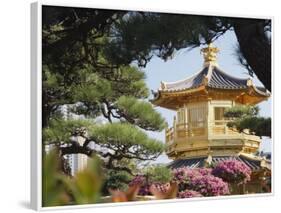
x: 247, y: 117
x: 163, y: 34
x: 129, y: 36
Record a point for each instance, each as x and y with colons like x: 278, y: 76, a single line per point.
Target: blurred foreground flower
x: 53, y: 188
x: 60, y: 189
x: 86, y: 185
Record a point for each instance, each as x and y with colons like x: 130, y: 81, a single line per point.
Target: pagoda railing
x: 217, y: 129
x: 198, y: 138
x: 186, y: 130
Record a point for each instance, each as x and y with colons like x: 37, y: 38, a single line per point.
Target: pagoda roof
x: 210, y: 77
x: 209, y: 83
x: 215, y: 77
x: 253, y: 162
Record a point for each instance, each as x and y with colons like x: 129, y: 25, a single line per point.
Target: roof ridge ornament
x: 210, y: 55
x: 249, y: 82
x: 163, y: 85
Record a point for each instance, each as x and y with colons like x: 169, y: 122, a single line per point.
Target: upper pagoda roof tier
x: 209, y: 83
x: 211, y: 76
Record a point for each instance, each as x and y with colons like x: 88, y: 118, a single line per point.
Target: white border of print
x: 36, y: 104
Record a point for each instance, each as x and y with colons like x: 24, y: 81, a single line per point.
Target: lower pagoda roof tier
x: 253, y: 162
x: 209, y: 83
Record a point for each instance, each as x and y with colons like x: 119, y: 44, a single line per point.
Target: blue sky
x: 186, y: 63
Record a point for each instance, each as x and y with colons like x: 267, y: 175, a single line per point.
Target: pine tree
x: 77, y: 73
x: 247, y: 117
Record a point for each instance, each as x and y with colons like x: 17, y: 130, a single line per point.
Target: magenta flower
x: 145, y: 185
x: 209, y: 185
x: 232, y: 171
x: 200, y: 180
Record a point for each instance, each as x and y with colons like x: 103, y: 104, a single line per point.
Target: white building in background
x: 77, y: 162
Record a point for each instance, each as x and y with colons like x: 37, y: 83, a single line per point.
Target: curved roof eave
x: 267, y: 94
x: 211, y: 76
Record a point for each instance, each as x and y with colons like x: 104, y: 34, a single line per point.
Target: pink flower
x: 232, y: 171
x: 209, y: 185
x: 200, y: 180
x: 145, y: 185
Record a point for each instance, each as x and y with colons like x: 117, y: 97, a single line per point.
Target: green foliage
x: 116, y: 180
x: 115, y: 134
x: 125, y: 135
x: 128, y: 80
x: 157, y: 34
x: 259, y: 125
x: 74, y: 37
x: 53, y: 189
x: 158, y: 174
x: 51, y: 80
x: 241, y: 111
x: 246, y: 117
x: 86, y: 185
x: 119, y: 179
x: 59, y: 189
x: 91, y: 91
x: 140, y: 113
x: 60, y: 131
x: 122, y: 140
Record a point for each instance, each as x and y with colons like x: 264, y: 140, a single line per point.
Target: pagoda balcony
x: 198, y: 138
x: 183, y: 131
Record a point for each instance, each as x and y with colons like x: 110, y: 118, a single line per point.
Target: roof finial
x: 210, y: 54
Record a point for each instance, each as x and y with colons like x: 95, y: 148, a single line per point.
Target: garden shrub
x: 232, y: 171
x: 200, y: 180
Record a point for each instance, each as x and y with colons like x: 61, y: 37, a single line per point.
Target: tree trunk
x: 255, y: 47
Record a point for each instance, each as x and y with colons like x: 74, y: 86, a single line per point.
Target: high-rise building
x: 76, y: 162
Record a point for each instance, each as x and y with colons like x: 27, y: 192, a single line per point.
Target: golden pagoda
x: 200, y: 135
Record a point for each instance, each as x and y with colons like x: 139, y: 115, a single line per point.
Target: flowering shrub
x: 209, y: 185
x: 145, y: 185
x: 184, y: 174
x: 137, y: 180
x: 164, y: 191
x: 182, y: 177
x: 232, y: 171
x: 200, y: 180
x: 162, y: 187
x: 189, y: 194
x: 204, y: 171
x: 191, y: 182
